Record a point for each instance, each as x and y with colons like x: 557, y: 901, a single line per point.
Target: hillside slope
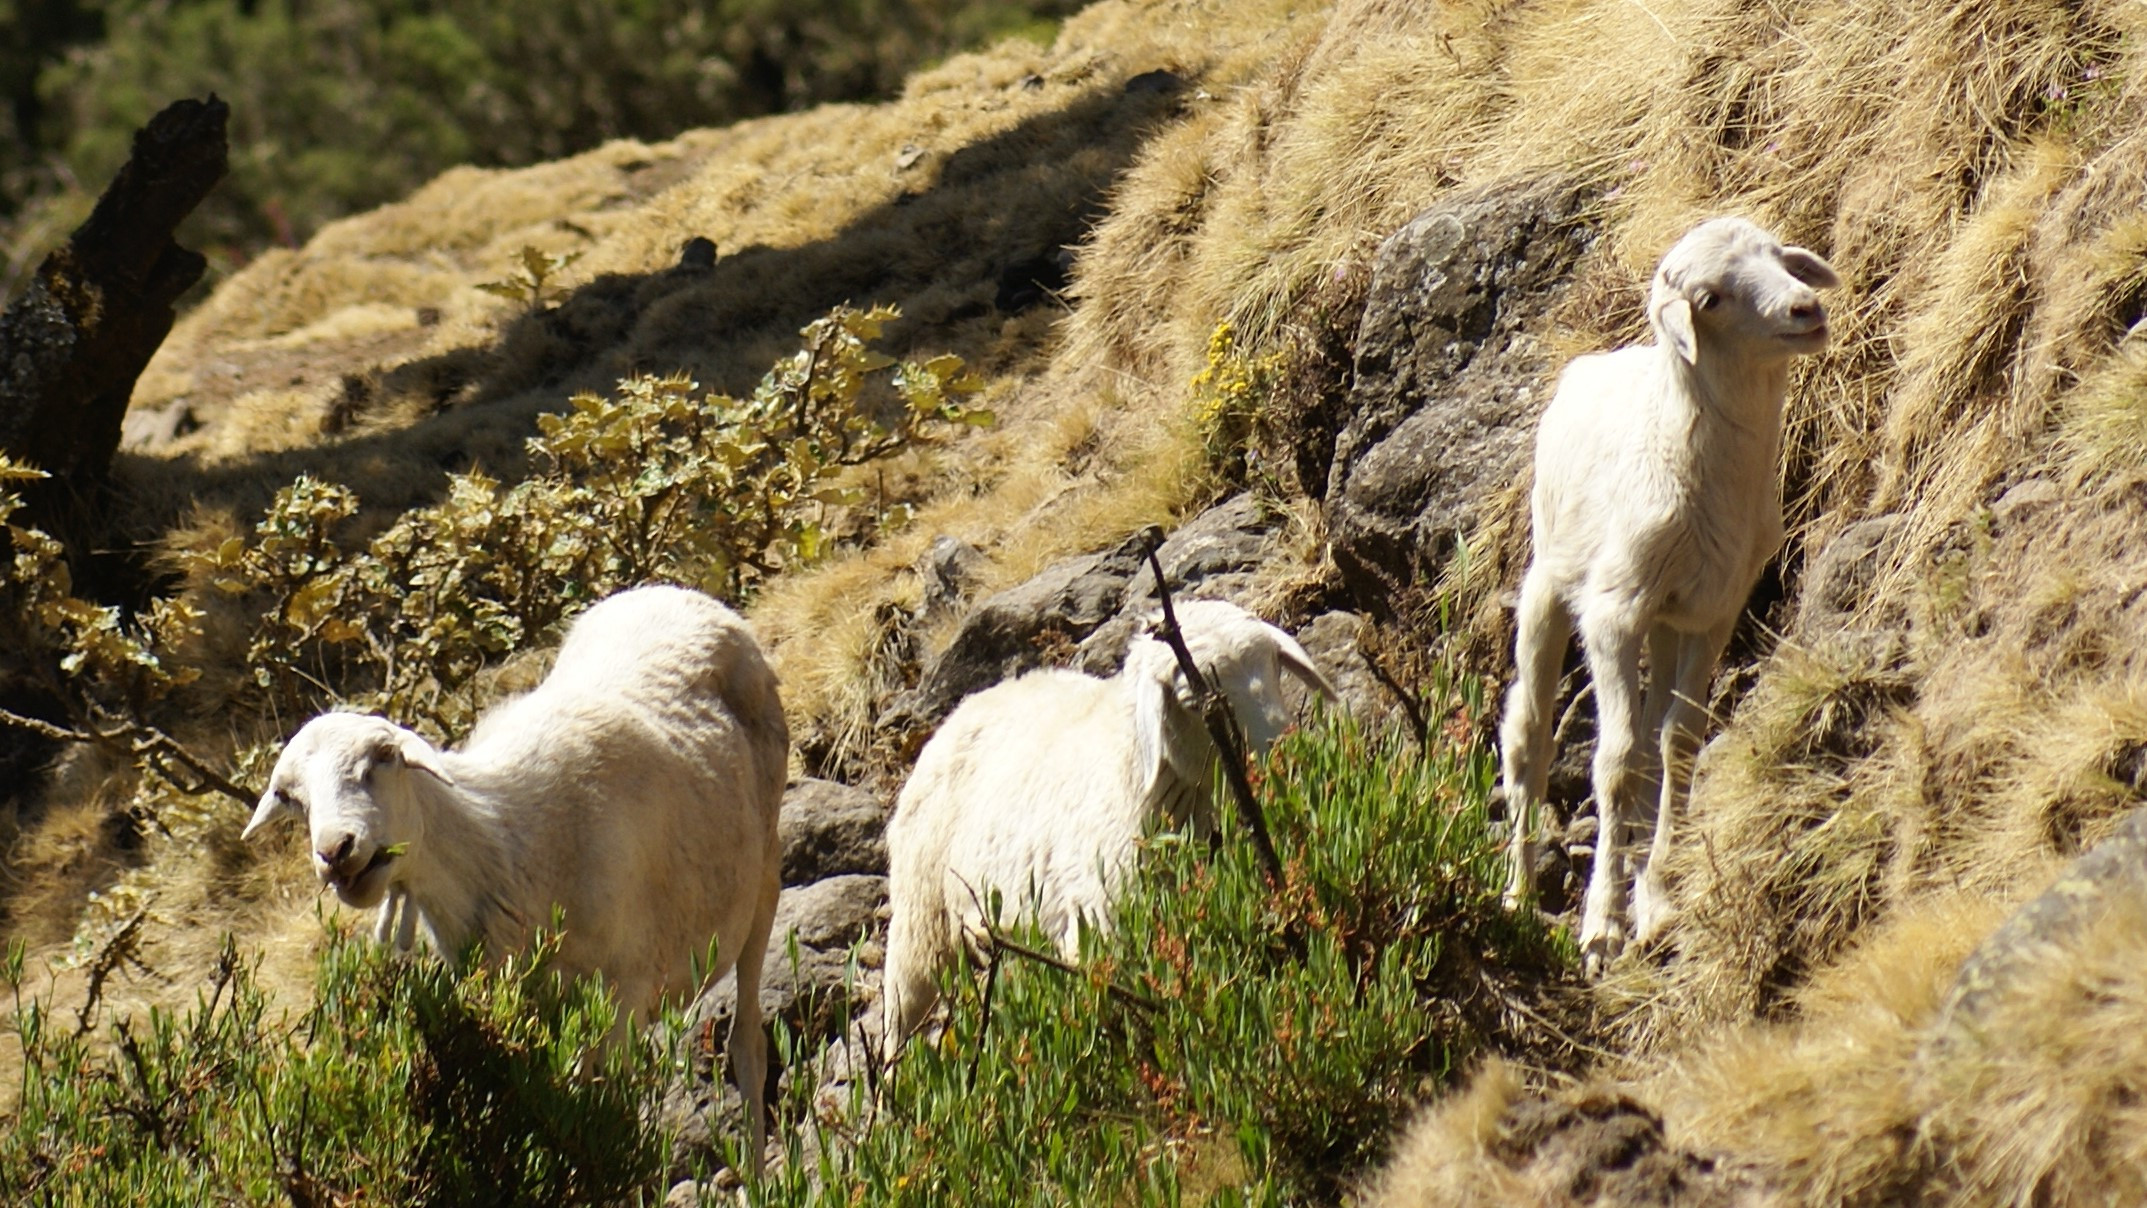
x: 1939, y: 700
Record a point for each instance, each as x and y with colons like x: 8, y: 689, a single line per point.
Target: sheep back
x: 637, y: 788
x: 1046, y: 822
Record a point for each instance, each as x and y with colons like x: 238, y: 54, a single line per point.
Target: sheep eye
x: 1708, y: 300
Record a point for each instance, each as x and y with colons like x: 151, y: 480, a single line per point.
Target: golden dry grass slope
x: 1942, y: 720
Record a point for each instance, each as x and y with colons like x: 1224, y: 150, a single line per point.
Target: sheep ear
x: 272, y: 802
x: 1152, y: 701
x: 1673, y: 325
x: 1298, y: 663
x: 1806, y: 266
x: 414, y: 752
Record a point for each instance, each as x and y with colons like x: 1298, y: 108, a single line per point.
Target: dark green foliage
x: 404, y: 1084
x: 340, y: 105
x: 1228, y: 1043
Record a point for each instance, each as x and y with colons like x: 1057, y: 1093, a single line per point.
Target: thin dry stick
x: 1132, y: 998
x: 1216, y: 713
x: 1418, y: 723
x: 153, y: 747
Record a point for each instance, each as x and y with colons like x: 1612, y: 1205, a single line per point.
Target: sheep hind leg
x: 1613, y: 647
x: 1680, y: 730
x: 1542, y: 629
x: 748, y: 1044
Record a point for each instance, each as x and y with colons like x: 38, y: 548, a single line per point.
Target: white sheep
x: 636, y: 790
x: 1038, y: 789
x: 1656, y: 505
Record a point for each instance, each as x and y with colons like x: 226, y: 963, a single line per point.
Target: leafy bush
x: 657, y: 482
x: 1230, y: 394
x: 1231, y: 1042
x: 403, y: 1084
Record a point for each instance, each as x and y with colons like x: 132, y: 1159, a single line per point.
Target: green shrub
x: 403, y: 1084
x: 657, y: 483
x: 1229, y: 1042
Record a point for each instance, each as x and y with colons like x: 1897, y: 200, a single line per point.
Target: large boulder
x: 1017, y: 629
x: 1083, y: 610
x: 830, y: 829
x: 816, y: 994
x: 1451, y: 371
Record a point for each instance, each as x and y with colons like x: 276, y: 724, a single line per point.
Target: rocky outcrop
x: 833, y: 906
x: 1083, y: 610
x: 1451, y: 370
x: 830, y: 830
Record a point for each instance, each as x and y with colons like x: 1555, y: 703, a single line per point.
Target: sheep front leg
x: 1542, y: 629
x: 1612, y: 642
x: 1694, y: 670
x: 748, y: 1044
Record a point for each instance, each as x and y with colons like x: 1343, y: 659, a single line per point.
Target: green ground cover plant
x: 402, y: 1083
x: 1231, y: 1041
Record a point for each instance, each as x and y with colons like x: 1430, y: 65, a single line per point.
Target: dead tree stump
x: 73, y: 344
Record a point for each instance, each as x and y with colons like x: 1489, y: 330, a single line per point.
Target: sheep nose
x: 1807, y: 312
x: 331, y: 858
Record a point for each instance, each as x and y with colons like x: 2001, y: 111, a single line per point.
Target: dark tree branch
x: 1215, y: 711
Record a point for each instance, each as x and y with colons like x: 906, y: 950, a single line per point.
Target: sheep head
x: 1729, y: 284
x: 1246, y: 658
x: 349, y: 775
x: 1239, y: 655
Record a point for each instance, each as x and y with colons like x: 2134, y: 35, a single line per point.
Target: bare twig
x: 146, y: 743
x: 1132, y: 998
x: 44, y: 729
x: 118, y: 950
x: 1215, y: 711
x: 991, y: 983
x: 1420, y: 724
x: 995, y: 939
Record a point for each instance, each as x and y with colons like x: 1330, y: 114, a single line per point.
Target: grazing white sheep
x: 1656, y: 505
x: 1038, y: 789
x: 636, y: 789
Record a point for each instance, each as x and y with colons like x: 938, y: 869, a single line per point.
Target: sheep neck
x: 1736, y: 407
x: 463, y: 885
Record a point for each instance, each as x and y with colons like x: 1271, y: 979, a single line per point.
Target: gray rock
x: 1018, y: 629
x: 1331, y: 639
x: 828, y: 914
x: 2038, y: 936
x: 829, y: 829
x: 948, y: 570
x: 688, y: 1194
x: 811, y: 988
x: 1840, y: 577
x: 1217, y: 550
x: 1450, y: 375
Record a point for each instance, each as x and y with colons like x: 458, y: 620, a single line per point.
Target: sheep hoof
x: 1598, y: 951
x: 1651, y: 910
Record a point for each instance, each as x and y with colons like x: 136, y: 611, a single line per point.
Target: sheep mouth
x: 1810, y: 335
x: 365, y: 886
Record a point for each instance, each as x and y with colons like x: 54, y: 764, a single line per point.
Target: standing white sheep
x: 1038, y: 789
x: 636, y: 790
x: 1656, y: 505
